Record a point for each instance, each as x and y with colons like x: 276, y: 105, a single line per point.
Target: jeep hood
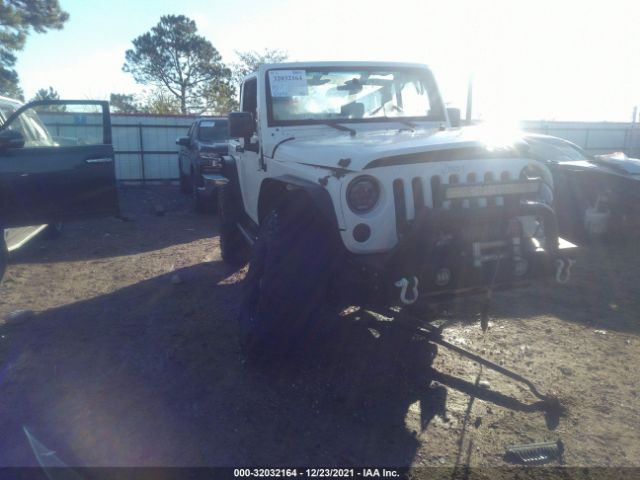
x: 369, y: 149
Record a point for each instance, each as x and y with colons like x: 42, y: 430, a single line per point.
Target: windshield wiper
x: 337, y: 126
x: 409, y: 124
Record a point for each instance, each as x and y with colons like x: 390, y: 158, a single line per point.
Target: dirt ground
x: 122, y: 364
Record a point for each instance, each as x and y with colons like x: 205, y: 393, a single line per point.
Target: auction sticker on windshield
x: 288, y: 83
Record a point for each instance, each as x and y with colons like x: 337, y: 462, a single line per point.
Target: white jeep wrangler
x: 353, y: 186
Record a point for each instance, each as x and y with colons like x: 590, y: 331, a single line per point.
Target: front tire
x: 185, y: 183
x: 287, y: 282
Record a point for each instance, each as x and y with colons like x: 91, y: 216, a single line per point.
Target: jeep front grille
x: 402, y: 222
x: 410, y: 197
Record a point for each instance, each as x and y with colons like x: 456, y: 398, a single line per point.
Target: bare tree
x: 250, y: 61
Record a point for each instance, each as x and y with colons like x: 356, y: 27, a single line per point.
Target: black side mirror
x: 183, y: 141
x: 11, y: 139
x: 454, y: 117
x: 241, y: 125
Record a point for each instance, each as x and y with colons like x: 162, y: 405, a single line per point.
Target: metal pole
x: 629, y: 134
x: 469, y: 100
x: 586, y: 139
x: 141, y: 152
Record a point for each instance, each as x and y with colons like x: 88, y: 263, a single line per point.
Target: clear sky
x: 561, y: 59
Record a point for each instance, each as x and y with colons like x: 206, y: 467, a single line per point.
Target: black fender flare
x: 230, y: 169
x: 280, y: 185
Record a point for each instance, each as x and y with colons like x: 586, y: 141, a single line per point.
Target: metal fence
x: 594, y: 137
x: 144, y: 145
x: 146, y: 151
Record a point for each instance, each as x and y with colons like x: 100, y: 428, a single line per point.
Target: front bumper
x: 452, y: 252
x: 210, y: 182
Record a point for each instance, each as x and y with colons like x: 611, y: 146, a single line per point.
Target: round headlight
x: 362, y: 194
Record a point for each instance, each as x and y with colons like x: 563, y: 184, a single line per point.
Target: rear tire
x: 185, y: 187
x: 196, y: 199
x: 233, y: 246
x: 287, y: 282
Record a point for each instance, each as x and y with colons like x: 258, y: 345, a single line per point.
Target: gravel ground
x: 130, y: 358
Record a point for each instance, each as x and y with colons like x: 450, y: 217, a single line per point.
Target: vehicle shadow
x: 153, y: 217
x: 152, y: 375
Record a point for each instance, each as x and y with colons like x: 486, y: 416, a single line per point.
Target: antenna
x: 469, y: 100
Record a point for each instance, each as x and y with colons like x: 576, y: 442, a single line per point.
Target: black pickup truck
x: 200, y: 159
x: 46, y: 182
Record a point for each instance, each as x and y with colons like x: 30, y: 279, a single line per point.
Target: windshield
x: 213, y: 131
x: 556, y: 151
x: 320, y: 95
